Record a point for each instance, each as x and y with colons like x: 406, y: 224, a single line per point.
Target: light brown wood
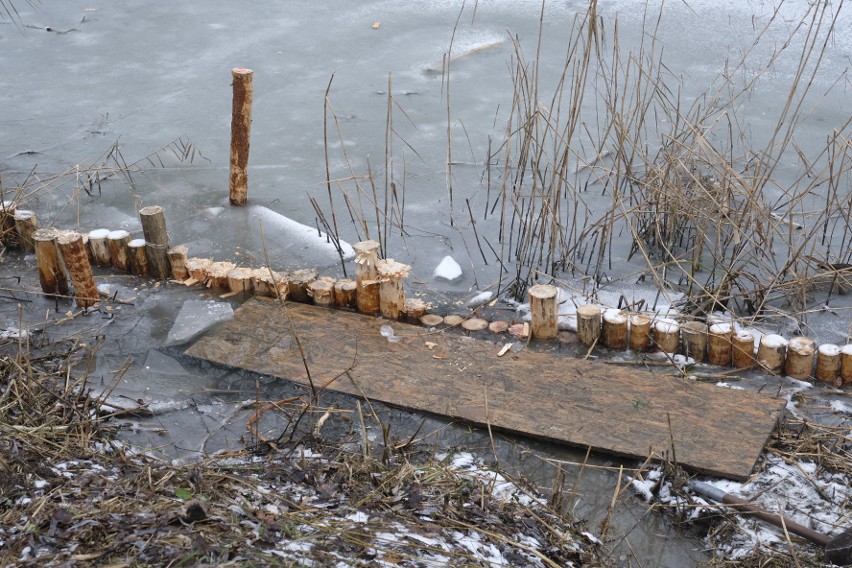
x: 137, y: 257
x: 391, y: 290
x: 453, y: 319
x: 614, y: 330
x: 344, y: 293
x: 413, y: 309
x: 475, y: 324
x: 270, y: 284
x: 243, y: 90
x: 543, y: 311
x: 99, y: 247
x: 846, y: 364
x: 800, y: 358
x: 26, y: 223
x: 431, y: 320
x: 694, y: 337
x: 197, y: 268
x: 156, y: 241
x: 828, y: 363
x: 8, y: 235
x: 178, y: 255
x: 299, y: 283
x: 119, y: 254
x: 367, y: 276
x: 588, y: 324
x: 640, y: 332
x: 719, y: 344
x: 217, y: 275
x: 499, y: 326
x: 240, y: 280
x: 771, y: 353
x: 742, y: 350
x: 322, y: 292
x: 563, y: 399
x: 51, y: 275
x: 667, y: 335
x: 76, y: 259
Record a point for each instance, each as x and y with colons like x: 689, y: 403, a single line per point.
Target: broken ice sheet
x: 196, y: 317
x: 448, y: 269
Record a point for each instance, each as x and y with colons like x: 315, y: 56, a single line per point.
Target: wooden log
x: 156, y: 241
x: 543, y: 311
x: 178, y: 255
x: 26, y: 224
x: 240, y: 280
x: 119, y: 254
x: 217, y: 274
x: 614, y: 330
x: 197, y: 268
x: 300, y: 280
x: 846, y: 364
x: 498, y: 326
x: 240, y: 134
x: 137, y: 257
x: 453, y: 319
x: 800, y: 358
x: 344, y: 293
x: 667, y: 335
x: 366, y: 276
x: 640, y: 332
x: 270, y: 284
x: 322, y: 291
x: 828, y: 363
x: 719, y: 344
x: 76, y: 259
x: 694, y: 336
x: 431, y: 320
x: 99, y: 247
x: 8, y: 236
x: 51, y: 275
x: 771, y: 352
x: 588, y: 324
x: 474, y: 324
x: 391, y: 290
x: 742, y: 349
x: 413, y: 309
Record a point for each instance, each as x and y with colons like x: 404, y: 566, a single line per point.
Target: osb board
x: 613, y: 409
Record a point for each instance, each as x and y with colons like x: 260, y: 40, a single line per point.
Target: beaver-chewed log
x: 99, y: 247
x: 742, y: 349
x: 156, y: 241
x: 300, y: 281
x: 322, y: 291
x: 771, y: 353
x: 846, y: 364
x: 391, y: 290
x: 694, y: 337
x: 344, y: 293
x: 240, y: 280
x: 138, y: 257
x: 178, y: 255
x: 667, y: 335
x: 270, y: 283
x: 367, y: 276
x: 800, y: 358
x: 828, y: 363
x: 76, y: 259
x: 51, y: 274
x: 26, y: 223
x: 240, y: 134
x: 119, y: 253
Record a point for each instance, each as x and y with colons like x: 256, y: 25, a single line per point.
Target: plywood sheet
x: 612, y: 409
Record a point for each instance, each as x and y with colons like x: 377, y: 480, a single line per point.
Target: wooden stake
x: 51, y: 276
x: 344, y: 293
x: 391, y: 290
x: 177, y: 262
x: 156, y: 241
x: 25, y: 225
x: 640, y: 332
x: 99, y: 247
x: 197, y: 268
x: 322, y: 291
x: 119, y: 254
x: 694, y: 334
x: 240, y: 134
x: 366, y: 276
x: 73, y: 252
x: 8, y: 236
x: 667, y: 335
x: 614, y: 330
x: 137, y: 257
x: 800, y: 358
x: 240, y: 280
x: 217, y: 274
x: 300, y: 280
x: 719, y: 344
x: 828, y: 363
x: 588, y: 324
x: 771, y: 352
x: 543, y: 311
x: 742, y: 350
x: 846, y: 364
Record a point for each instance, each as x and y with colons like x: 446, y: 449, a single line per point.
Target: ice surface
x: 195, y: 317
x: 162, y: 364
x: 480, y: 298
x: 448, y: 269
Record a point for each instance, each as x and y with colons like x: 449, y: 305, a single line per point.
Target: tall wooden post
x: 543, y: 311
x: 77, y: 261
x: 50, y: 274
x: 240, y: 135
x: 156, y: 241
x: 391, y: 291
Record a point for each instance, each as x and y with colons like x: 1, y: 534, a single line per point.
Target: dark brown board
x: 612, y: 409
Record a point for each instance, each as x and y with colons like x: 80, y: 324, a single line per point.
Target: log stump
x: 76, y: 259
x: 51, y: 274
x: 667, y: 335
x: 26, y: 224
x: 156, y: 241
x: 119, y: 253
x: 771, y: 353
x: 719, y: 344
x: 828, y: 363
x: 694, y: 335
x: 640, y: 332
x: 588, y: 324
x: 614, y: 330
x: 800, y: 358
x: 543, y: 310
x: 99, y: 247
x: 742, y: 350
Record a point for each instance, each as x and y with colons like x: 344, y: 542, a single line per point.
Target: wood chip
x: 453, y: 319
x: 504, y: 349
x: 474, y: 324
x: 498, y: 326
x: 431, y: 320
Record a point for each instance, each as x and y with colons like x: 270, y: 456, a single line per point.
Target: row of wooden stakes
x: 716, y: 341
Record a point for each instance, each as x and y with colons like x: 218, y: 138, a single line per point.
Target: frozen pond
x: 80, y: 78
